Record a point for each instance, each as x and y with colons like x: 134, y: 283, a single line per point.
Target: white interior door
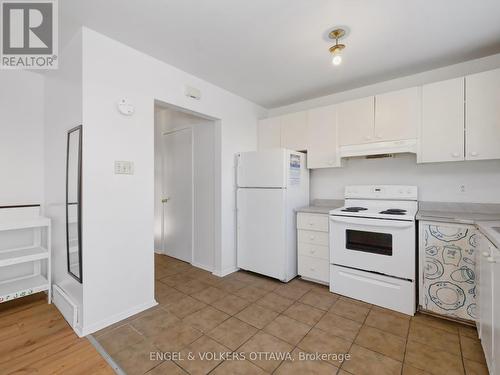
x: 178, y: 194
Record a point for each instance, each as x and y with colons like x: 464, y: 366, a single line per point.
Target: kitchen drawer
x: 312, y: 237
x: 315, y: 251
x: 314, y: 268
x: 312, y: 222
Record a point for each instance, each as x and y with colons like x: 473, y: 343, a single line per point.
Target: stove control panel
x: 394, y: 192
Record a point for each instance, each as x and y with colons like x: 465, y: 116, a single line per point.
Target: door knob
x: 165, y: 200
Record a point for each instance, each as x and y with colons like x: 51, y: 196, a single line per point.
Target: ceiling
x: 275, y: 52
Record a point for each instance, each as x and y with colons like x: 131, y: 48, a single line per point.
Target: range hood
x: 378, y: 148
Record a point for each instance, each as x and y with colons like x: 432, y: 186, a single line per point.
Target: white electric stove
x: 373, y: 246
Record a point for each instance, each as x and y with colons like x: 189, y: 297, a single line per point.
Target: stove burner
x: 354, y: 209
x: 393, y: 211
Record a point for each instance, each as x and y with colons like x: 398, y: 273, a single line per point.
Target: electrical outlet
x: 124, y: 167
x: 462, y: 188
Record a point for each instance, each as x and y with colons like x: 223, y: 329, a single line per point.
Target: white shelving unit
x: 38, y: 253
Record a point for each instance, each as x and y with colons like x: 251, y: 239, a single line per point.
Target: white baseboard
x: 115, y: 318
x: 225, y: 272
x: 202, y: 266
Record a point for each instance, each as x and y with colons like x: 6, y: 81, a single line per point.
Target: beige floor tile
x: 231, y: 304
x: 210, y: 279
x: 230, y: 285
x: 435, y: 337
x: 287, y: 329
x: 391, y: 312
x: 201, y: 364
x: 167, y: 368
x: 304, y: 313
x: 475, y: 368
x: 368, y: 362
x: 356, y: 301
x: 209, y: 295
x: 430, y: 359
x: 176, y: 279
x: 120, y: 338
x: 170, y: 297
x: 472, y: 349
x: 410, y: 370
x: 382, y: 342
x: 350, y: 310
x: 318, y: 341
x: 135, y: 360
x: 246, y: 277
x: 152, y: 322
x: 468, y: 331
x: 232, y: 333
x: 251, y: 293
x: 257, y: 316
x: 432, y: 321
x: 291, y: 290
x: 184, y: 306
x: 265, y: 343
x: 267, y: 284
x: 206, y: 319
x: 320, y: 300
x: 237, y: 367
x: 301, y: 366
x: 162, y: 289
x: 388, y: 322
x: 192, y: 286
x: 176, y: 337
x: 275, y: 302
x: 339, y: 326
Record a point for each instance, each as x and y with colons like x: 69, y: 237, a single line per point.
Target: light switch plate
x: 124, y: 167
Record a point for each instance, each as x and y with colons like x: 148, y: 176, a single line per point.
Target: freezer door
x: 263, y: 169
x: 261, y: 222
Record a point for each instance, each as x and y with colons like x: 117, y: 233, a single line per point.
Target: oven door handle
x: 375, y: 222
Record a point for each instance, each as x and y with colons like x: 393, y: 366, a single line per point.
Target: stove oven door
x: 377, y: 245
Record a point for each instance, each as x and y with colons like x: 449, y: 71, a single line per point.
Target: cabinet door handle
x: 379, y: 136
x: 491, y: 260
x: 367, y: 137
x: 473, y: 153
x: 311, y: 224
x: 312, y: 269
x: 455, y: 154
x: 311, y: 238
x: 312, y: 251
x: 486, y: 254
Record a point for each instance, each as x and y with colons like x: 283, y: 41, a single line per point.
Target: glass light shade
x: 336, y: 59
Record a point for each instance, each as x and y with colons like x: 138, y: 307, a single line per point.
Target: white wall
x: 436, y: 181
x: 118, y: 212
x: 63, y: 111
x: 21, y: 137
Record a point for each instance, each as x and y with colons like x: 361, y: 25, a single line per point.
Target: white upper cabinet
x: 397, y: 115
x: 269, y: 133
x: 322, y: 140
x: 442, y: 130
x: 293, y: 131
x: 356, y: 121
x: 482, y: 125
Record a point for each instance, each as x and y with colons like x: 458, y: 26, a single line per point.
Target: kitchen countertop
x: 483, y: 216
x: 321, y: 206
x: 463, y: 213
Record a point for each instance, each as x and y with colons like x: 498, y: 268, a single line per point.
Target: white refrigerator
x: 271, y: 185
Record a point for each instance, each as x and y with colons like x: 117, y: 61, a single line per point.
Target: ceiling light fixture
x: 336, y: 50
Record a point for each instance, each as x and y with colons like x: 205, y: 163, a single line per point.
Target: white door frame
x: 165, y: 134
x: 217, y: 267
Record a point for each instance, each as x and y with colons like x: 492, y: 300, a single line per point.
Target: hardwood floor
x: 35, y: 338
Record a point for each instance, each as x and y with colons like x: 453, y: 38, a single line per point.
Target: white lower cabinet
x: 489, y: 303
x: 313, y: 253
